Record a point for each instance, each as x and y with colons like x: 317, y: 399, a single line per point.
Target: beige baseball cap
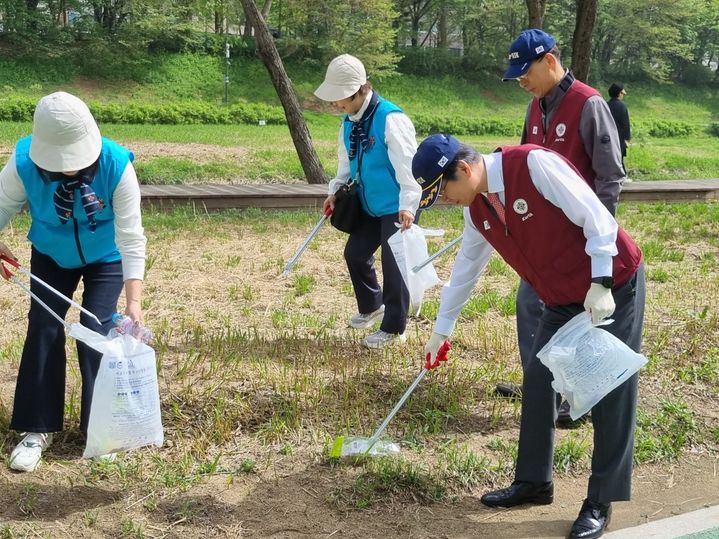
x: 345, y: 75
x: 65, y: 136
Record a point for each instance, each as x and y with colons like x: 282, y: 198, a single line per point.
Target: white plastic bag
x: 410, y: 249
x: 125, y: 410
x: 587, y: 363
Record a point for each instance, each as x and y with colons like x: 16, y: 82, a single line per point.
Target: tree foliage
x: 630, y: 39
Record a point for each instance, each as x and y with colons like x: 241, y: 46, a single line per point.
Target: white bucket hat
x: 65, y: 136
x: 345, y: 75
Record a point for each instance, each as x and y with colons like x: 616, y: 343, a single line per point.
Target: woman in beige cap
x: 84, y: 201
x: 376, y: 145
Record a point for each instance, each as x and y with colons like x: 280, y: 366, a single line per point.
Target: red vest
x: 542, y: 245
x: 562, y: 133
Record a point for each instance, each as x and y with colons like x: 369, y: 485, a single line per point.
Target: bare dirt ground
x: 199, y: 153
x: 224, y: 274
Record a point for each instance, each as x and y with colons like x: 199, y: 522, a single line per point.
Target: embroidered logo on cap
x: 539, y: 49
x: 443, y: 161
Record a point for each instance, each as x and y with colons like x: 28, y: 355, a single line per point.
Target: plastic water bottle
x: 125, y: 325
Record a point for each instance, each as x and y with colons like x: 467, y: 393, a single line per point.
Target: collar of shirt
x: 495, y: 176
x: 360, y: 112
x: 552, y: 99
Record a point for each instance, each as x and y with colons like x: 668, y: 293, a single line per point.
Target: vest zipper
x: 77, y: 241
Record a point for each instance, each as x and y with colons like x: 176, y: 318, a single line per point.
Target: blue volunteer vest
x: 378, y: 188
x: 72, y: 245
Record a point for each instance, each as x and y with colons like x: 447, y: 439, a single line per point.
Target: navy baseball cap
x: 428, y: 164
x: 530, y: 45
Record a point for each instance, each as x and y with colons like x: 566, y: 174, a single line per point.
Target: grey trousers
x: 613, y: 418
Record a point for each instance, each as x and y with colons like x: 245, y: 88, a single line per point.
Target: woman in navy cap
x: 376, y: 145
x: 533, y: 207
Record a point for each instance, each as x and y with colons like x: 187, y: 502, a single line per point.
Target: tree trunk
x: 442, y: 28
x: 283, y: 85
x: 582, y: 41
x: 265, y: 13
x: 414, y: 37
x: 536, y: 9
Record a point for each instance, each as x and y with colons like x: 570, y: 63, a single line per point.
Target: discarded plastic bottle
x: 125, y: 325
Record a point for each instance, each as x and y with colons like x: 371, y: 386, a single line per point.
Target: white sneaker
x: 26, y: 455
x: 365, y: 321
x: 380, y: 339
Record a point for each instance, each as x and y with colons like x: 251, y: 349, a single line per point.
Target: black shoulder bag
x: 347, y: 208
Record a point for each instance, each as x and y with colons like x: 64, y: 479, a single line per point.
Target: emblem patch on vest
x: 520, y: 206
x: 486, y: 225
x: 535, y: 130
x: 561, y: 129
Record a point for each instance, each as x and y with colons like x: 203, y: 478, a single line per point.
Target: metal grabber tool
x: 15, y: 264
x: 292, y: 261
x: 437, y: 254
x: 358, y: 447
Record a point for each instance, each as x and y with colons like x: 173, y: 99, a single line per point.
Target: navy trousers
x: 371, y: 233
x: 40, y: 391
x: 613, y: 418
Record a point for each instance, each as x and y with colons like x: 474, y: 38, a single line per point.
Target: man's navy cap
x: 530, y: 45
x: 428, y: 165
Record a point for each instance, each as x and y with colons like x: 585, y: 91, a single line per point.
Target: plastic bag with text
x: 587, y: 363
x: 125, y: 410
x: 410, y: 249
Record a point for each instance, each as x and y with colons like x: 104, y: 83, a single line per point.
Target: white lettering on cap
x: 513, y: 55
x: 443, y: 161
x: 539, y: 49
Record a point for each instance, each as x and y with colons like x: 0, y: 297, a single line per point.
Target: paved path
x: 701, y: 524
x: 218, y: 197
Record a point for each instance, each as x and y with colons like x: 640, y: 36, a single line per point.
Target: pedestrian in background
x: 571, y: 118
x: 84, y: 203
x: 621, y: 119
x: 376, y: 144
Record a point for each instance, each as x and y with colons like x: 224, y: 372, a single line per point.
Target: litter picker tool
x: 15, y: 264
x: 19, y: 268
x: 292, y: 261
x: 437, y: 254
x: 358, y: 447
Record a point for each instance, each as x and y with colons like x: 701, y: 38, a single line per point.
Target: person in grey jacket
x: 571, y: 118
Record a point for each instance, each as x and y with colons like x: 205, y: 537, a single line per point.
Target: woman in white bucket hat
x: 84, y: 203
x: 376, y: 144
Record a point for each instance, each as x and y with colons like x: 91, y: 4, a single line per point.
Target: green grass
x: 267, y: 153
x: 258, y: 375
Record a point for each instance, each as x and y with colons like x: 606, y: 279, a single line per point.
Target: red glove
x: 436, y: 350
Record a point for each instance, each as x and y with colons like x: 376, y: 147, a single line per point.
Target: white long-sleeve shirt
x: 401, y: 141
x: 561, y: 186
x: 129, y: 233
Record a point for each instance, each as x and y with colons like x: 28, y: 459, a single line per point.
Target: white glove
x: 599, y: 302
x: 436, y: 350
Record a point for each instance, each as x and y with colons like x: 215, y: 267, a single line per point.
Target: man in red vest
x: 534, y: 208
x: 572, y: 119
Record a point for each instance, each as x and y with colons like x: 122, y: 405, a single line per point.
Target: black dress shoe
x: 593, y: 519
x: 565, y: 421
x: 520, y: 492
x: 508, y: 391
